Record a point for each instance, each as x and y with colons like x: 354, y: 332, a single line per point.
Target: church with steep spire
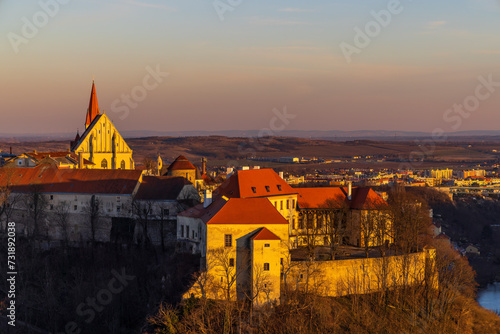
x: 101, y: 143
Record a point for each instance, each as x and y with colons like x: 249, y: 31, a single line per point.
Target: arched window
x: 122, y: 165
x: 104, y: 164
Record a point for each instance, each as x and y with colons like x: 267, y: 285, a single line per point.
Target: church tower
x: 101, y: 143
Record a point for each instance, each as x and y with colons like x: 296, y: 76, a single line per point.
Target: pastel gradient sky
x: 231, y: 73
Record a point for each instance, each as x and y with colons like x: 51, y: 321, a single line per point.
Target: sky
x: 236, y: 64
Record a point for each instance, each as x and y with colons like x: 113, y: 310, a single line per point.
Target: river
x: 490, y: 297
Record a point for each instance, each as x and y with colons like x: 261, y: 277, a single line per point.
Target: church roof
x: 254, y: 183
x: 181, y: 163
x: 93, y: 109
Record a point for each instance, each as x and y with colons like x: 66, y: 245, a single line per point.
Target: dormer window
x: 279, y: 187
x: 268, y: 189
x: 254, y: 190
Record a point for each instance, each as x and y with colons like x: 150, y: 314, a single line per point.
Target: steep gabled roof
x: 50, y: 179
x: 364, y: 198
x: 265, y: 234
x: 181, y: 163
x: 321, y: 197
x: 161, y: 187
x: 257, y: 211
x: 254, y: 183
x: 93, y: 109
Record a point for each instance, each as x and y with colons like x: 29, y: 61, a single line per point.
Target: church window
x: 104, y: 163
x: 122, y: 165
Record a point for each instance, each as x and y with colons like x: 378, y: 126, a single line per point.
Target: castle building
x: 101, y: 143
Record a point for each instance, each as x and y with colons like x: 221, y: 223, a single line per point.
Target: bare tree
x: 150, y: 165
x: 36, y: 205
x: 410, y: 219
x: 142, y: 210
x: 93, y: 211
x: 337, y: 216
x: 61, y: 219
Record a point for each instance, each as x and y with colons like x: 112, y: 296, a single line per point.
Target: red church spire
x: 93, y: 110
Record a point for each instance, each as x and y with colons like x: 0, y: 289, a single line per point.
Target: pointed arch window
x: 104, y: 164
x: 122, y: 165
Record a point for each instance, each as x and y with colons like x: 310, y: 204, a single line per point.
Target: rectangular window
x: 182, y: 231
x: 275, y: 204
x: 51, y: 207
x: 293, y: 204
x: 228, y: 240
x: 281, y: 205
x: 118, y: 209
x: 266, y: 266
x: 166, y: 212
x: 76, y: 207
x: 231, y: 262
x: 187, y: 231
x: 51, y: 197
x: 267, y: 245
x: 288, y: 204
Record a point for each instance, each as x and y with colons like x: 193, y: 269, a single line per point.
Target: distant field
x: 230, y: 150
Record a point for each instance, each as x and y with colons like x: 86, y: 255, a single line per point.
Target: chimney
x: 203, y: 165
x: 207, y: 198
x: 80, y: 160
x: 349, y: 191
x: 281, y: 175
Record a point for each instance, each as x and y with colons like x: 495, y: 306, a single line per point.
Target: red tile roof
x: 38, y: 156
x: 181, y: 163
x: 257, y: 211
x: 321, y: 197
x: 367, y: 199
x: 334, y: 197
x: 93, y: 110
x: 254, y: 183
x: 161, y: 187
x: 50, y: 179
x: 265, y: 234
